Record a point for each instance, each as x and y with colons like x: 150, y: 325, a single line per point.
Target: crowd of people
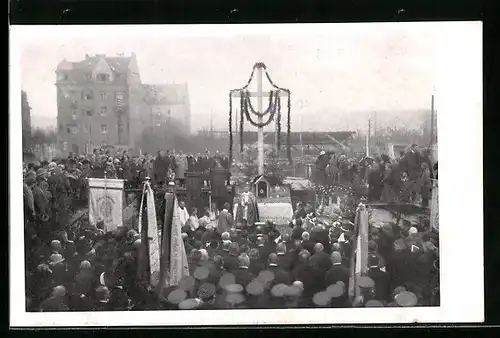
x: 79, y: 267
x: 407, y: 178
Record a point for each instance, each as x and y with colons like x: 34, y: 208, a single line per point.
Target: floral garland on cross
x: 273, y: 108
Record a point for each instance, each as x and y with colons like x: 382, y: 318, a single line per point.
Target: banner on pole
x: 152, y: 233
x: 106, y: 202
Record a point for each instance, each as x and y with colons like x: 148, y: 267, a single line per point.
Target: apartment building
x: 99, y: 102
x: 167, y: 104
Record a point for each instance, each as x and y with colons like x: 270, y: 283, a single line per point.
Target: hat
x: 41, y: 172
x: 298, y: 285
x: 255, y: 288
x: 406, y: 299
x: 398, y: 290
x: 56, y: 259
x: 335, y: 290
x: 292, y: 291
x: 235, y: 298
x: 226, y: 279
x: 177, y: 296
x: 206, y: 291
x: 279, y: 290
x: 265, y: 276
x: 52, y: 165
x: 201, y: 273
x: 366, y: 282
x: 186, y: 283
x: 373, y: 303
x: 322, y: 153
x: 321, y: 299
x: 189, y: 304
x: 233, y: 288
x: 413, y: 231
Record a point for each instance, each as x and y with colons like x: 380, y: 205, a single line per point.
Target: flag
x: 106, y: 202
x: 174, y: 263
x: 151, y: 232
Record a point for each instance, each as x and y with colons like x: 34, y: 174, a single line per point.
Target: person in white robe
x: 183, y: 213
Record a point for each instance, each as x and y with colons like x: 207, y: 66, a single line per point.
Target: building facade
x: 26, y: 119
x: 99, y: 102
x: 168, y: 105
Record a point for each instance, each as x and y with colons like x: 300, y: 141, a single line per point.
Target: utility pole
x: 368, y: 138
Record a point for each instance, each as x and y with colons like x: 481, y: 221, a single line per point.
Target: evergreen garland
x: 271, y: 110
x: 288, y: 131
x: 248, y: 104
x: 278, y: 124
x: 249, y: 118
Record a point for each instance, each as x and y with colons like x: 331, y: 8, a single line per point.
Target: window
x: 104, y: 111
x: 72, y: 129
x: 73, y: 115
x: 89, y: 111
x: 63, y: 76
x: 88, y: 95
x: 104, y: 95
x: 103, y: 77
x: 119, y: 95
x: 65, y: 146
x: 104, y: 129
x: 60, y: 128
x: 88, y: 76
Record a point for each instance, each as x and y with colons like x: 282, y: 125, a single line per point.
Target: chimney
x: 86, y: 56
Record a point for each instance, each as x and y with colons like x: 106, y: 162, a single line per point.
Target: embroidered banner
x: 106, y: 202
x: 152, y: 233
x: 178, y: 259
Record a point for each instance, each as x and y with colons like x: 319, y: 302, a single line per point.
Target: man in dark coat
x: 243, y: 275
x: 381, y: 279
x: 280, y: 275
x: 337, y: 272
x: 265, y: 249
x: 297, y: 229
x: 284, y: 261
x: 160, y: 168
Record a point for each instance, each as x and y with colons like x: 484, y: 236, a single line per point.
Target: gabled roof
x: 77, y: 70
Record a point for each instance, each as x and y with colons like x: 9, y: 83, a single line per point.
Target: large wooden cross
x: 259, y: 94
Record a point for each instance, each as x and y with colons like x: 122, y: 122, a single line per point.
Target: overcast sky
x: 337, y: 72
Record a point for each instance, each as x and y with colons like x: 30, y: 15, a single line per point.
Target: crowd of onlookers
x: 78, y: 267
x: 233, y: 265
x: 407, y: 178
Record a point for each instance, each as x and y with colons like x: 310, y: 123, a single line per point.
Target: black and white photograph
x: 243, y: 169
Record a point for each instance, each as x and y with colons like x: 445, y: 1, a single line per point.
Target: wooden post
x: 260, y: 133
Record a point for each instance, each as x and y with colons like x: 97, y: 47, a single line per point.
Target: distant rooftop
x: 163, y: 94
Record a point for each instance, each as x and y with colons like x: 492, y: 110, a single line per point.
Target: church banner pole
x: 261, y: 129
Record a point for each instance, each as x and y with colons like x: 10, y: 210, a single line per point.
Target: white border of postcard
x: 459, y: 103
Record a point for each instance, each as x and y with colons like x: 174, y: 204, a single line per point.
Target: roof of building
x: 119, y: 65
x: 164, y: 94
